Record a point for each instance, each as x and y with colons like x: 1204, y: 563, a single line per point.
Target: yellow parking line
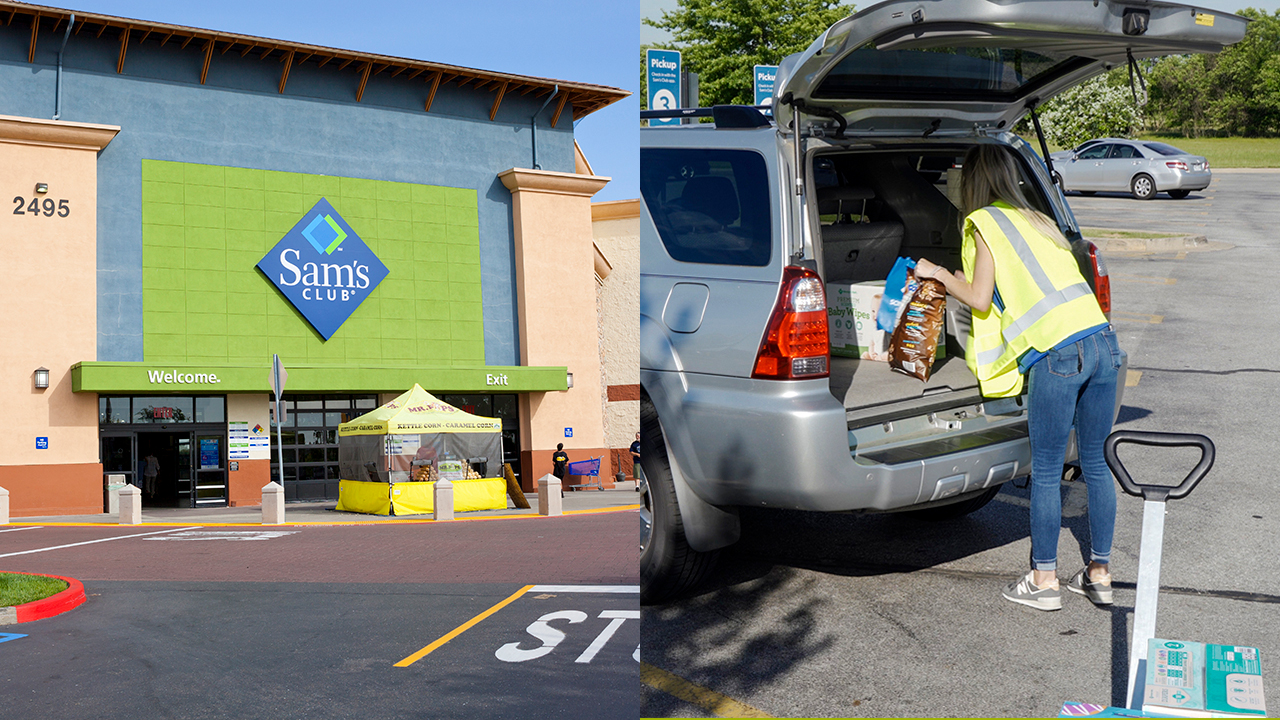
x: 709, y: 700
x: 461, y: 629
x: 1145, y: 279
x: 1132, y: 378
x: 1138, y: 317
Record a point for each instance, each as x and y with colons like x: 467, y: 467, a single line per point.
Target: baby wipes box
x: 851, y: 320
x: 1190, y: 679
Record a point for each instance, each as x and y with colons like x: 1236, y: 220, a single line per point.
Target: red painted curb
x: 53, y: 605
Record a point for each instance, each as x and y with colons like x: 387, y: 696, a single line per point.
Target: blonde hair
x: 990, y: 173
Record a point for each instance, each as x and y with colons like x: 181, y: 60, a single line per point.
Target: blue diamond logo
x: 323, y: 268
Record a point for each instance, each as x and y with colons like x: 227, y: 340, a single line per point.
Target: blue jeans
x: 1074, y: 386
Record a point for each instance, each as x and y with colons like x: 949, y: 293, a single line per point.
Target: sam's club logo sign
x: 324, y: 268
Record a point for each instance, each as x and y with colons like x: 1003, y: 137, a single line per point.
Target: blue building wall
x: 238, y: 118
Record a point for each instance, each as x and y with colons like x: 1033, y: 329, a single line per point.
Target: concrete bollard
x: 272, y: 504
x: 130, y: 505
x: 4, y: 506
x: 442, y: 500
x: 549, y: 500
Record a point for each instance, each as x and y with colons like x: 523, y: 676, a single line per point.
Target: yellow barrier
x: 417, y: 498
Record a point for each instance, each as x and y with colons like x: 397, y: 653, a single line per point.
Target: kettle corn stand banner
x: 391, y: 457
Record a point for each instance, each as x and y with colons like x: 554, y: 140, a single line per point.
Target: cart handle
x: 1159, y: 493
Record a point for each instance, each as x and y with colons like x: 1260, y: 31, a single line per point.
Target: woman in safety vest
x: 1035, y: 316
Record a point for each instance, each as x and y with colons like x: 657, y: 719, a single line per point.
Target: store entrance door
x: 164, y: 468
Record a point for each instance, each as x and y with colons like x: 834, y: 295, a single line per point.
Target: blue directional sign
x: 663, y: 71
x: 42, y: 443
x: 568, y: 432
x: 764, y: 78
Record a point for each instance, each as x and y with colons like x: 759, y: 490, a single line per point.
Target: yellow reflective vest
x: 1045, y: 298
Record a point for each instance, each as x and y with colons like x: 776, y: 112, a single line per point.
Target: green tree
x: 1236, y: 92
x: 722, y: 40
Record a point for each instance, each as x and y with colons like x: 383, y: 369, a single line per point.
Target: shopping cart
x: 586, y: 469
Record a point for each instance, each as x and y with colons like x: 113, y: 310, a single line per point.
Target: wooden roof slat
x: 208, y: 58
x: 435, y: 85
x: 364, y: 79
x: 586, y: 97
x: 248, y: 48
x: 124, y: 48
x: 284, y: 76
x: 559, y: 107
x: 35, y: 27
x: 497, y: 101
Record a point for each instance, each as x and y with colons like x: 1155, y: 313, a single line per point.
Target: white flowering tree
x: 1101, y: 107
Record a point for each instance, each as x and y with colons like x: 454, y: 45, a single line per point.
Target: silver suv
x: 746, y: 230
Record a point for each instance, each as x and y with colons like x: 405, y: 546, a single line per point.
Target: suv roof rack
x: 725, y: 116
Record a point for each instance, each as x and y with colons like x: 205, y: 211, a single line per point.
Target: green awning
x: 136, y: 378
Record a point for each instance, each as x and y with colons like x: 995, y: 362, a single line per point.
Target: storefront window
x: 309, y: 442
x: 163, y: 410
x: 113, y: 410
x: 211, y: 409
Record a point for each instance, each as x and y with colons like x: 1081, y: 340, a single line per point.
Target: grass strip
x: 17, y: 589
x: 1222, y: 152
x: 1119, y: 234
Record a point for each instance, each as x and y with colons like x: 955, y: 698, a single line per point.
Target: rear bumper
x: 788, y: 445
x: 1178, y: 180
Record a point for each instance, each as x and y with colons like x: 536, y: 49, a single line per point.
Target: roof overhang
x: 138, y: 378
x: 585, y: 98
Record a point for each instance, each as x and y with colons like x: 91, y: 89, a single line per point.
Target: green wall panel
x: 205, y: 227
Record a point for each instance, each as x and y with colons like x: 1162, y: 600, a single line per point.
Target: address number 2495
x: 47, y: 207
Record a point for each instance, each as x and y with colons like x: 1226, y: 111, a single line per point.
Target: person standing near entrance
x: 636, y: 472
x: 149, y: 474
x: 560, y: 462
x: 1034, y: 315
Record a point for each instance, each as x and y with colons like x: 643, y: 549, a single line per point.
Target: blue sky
x: 583, y: 41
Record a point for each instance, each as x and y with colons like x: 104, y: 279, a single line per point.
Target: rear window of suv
x: 710, y: 206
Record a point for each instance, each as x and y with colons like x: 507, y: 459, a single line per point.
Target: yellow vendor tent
x: 391, y: 457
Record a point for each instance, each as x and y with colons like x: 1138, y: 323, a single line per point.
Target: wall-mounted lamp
x: 42, y: 188
x: 42, y: 378
x: 569, y: 379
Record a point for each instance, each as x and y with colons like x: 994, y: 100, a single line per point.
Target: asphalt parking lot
x: 817, y: 615
x: 524, y: 616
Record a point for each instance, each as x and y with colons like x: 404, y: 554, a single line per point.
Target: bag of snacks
x: 915, y: 340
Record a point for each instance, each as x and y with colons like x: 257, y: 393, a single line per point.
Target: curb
x: 1172, y: 243
x: 51, y: 606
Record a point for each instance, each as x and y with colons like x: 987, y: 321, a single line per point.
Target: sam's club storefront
x: 376, y: 222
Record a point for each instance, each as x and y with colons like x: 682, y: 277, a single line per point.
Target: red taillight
x: 1101, y: 282
x: 1177, y: 165
x: 796, y: 344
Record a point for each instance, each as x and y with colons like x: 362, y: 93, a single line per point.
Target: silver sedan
x: 1140, y: 167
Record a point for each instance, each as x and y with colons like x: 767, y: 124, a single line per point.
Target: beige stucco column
x: 556, y: 298
x: 50, y: 302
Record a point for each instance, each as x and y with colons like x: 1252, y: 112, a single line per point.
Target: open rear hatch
x: 906, y: 65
